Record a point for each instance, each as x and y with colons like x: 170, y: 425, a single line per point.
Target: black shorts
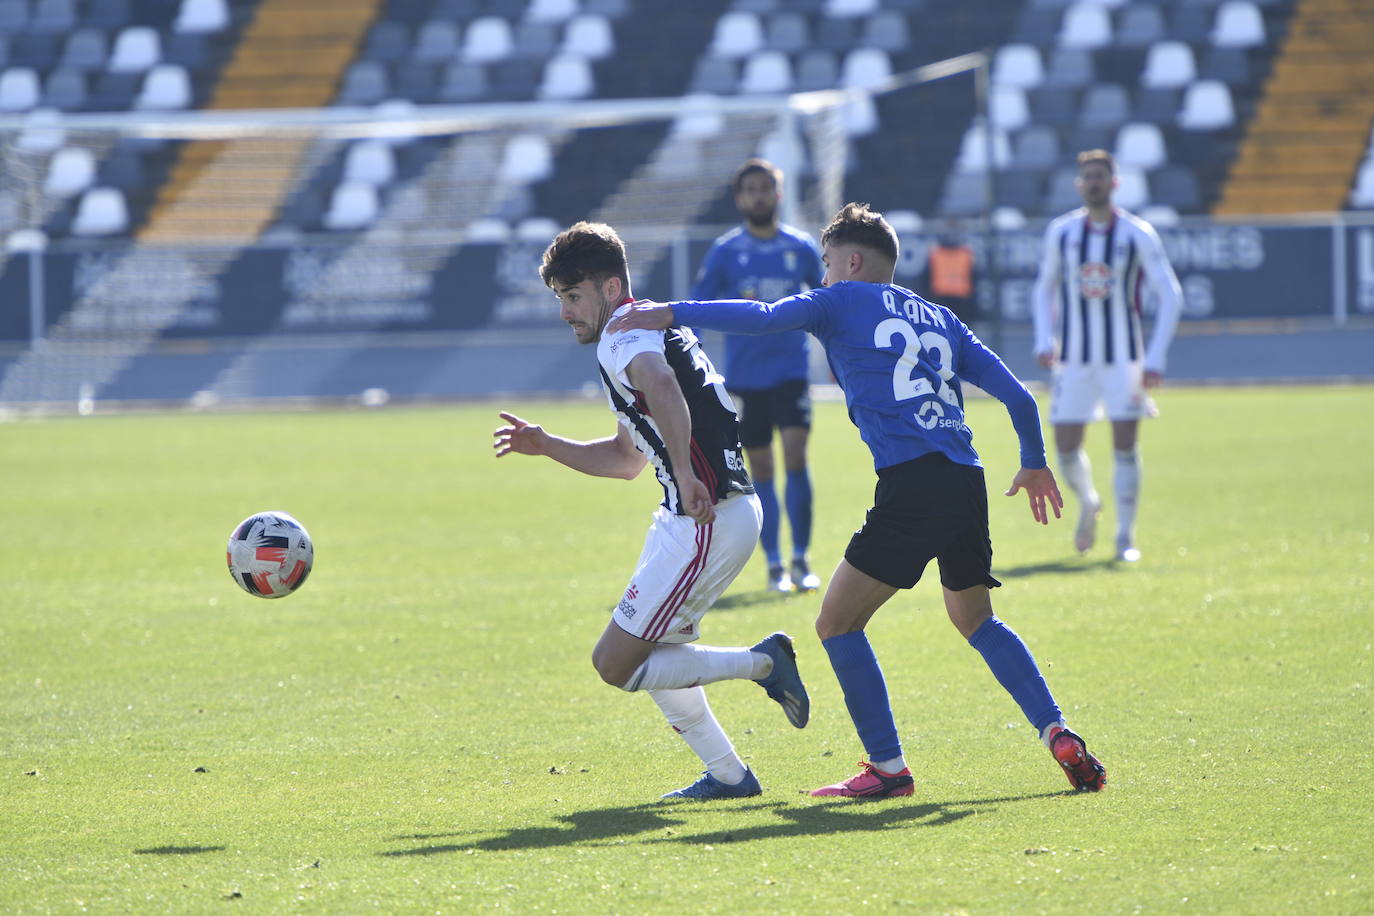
x: 923, y: 509
x: 785, y: 405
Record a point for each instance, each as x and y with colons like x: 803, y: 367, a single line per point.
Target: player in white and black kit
x: 672, y: 411
x: 1088, y: 330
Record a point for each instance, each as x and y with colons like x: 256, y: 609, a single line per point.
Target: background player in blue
x: 900, y: 360
x: 767, y: 375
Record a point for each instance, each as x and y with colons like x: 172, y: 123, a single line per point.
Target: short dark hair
x: 585, y: 251
x: 753, y: 166
x: 1090, y: 156
x: 857, y: 224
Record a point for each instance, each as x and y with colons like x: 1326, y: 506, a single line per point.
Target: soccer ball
x: 270, y: 554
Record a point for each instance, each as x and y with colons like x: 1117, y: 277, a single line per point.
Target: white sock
x: 1048, y: 730
x: 1078, y: 474
x: 1126, y: 482
x: 671, y: 667
x: 690, y: 716
x: 891, y: 767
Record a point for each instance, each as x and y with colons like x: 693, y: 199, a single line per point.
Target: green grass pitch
x: 419, y: 728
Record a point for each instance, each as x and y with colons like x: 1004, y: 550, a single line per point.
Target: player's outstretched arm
x: 1042, y: 491
x: 642, y: 315
x: 614, y: 456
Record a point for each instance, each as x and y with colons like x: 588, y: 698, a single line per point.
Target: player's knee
x: 611, y: 671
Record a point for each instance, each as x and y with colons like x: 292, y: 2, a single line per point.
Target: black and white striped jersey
x: 717, y: 458
x: 1088, y: 293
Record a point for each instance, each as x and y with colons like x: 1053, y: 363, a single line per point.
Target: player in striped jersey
x: 672, y: 411
x: 1088, y: 331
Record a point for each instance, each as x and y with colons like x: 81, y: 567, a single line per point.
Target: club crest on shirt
x: 1095, y: 280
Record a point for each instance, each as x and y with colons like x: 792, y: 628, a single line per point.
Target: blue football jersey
x: 743, y: 266
x: 898, y: 358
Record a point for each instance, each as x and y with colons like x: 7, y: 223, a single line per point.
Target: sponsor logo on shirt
x: 1095, y: 280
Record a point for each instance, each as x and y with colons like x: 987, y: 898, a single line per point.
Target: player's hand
x: 1046, y: 359
x: 642, y: 315
x: 1041, y: 489
x: 1153, y: 378
x: 519, y: 436
x: 697, y: 501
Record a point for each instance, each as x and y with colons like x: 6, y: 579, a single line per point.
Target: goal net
x: 231, y: 257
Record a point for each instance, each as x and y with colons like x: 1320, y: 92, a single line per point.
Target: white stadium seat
x: 101, y: 211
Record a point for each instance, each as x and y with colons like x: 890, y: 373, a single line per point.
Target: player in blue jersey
x: 672, y: 412
x: 767, y: 376
x: 900, y: 361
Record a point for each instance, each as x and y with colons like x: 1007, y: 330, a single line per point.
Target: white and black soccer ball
x: 270, y: 554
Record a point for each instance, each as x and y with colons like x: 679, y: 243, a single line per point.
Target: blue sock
x: 798, y: 496
x: 769, y: 535
x: 865, y: 693
x: 1015, y: 668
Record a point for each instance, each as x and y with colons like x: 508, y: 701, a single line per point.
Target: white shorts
x: 1081, y: 392
x: 685, y: 567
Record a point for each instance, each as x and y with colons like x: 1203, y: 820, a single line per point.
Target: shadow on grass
x: 670, y: 822
x: 1059, y: 566
x: 755, y: 598
x: 177, y: 850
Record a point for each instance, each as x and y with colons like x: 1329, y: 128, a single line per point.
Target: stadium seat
x: 1018, y: 65
x: 487, y: 230
x: 369, y: 161
x: 1086, y: 25
x: 1035, y: 148
x: 462, y: 82
x: 166, y: 87
x: 1192, y: 24
x: 1158, y: 106
x: 1007, y: 107
x: 19, y: 89
x: 526, y: 158
x: 1168, y: 65
x: 535, y: 40
x: 816, y: 69
x: 1207, y: 105
x: 71, y: 171
x: 1132, y: 188
x: 886, y: 30
x: 53, y: 16
x: 551, y: 10
x: 387, y: 41
x: 700, y: 119
x: 1023, y: 190
x: 849, y: 9
x: 737, y: 34
x: 415, y: 81
x: 14, y: 16
x: 437, y: 41
x: 1053, y: 106
x: 865, y: 68
x: 85, y: 49
x: 611, y: 9
x: 1062, y: 193
x: 1239, y: 24
x: 589, y: 36
x: 714, y: 76
x: 1177, y: 187
x: 1105, y: 105
x: 1229, y: 65
x: 1141, y: 145
x: 137, y: 48
x: 1140, y: 25
x: 905, y: 222
x: 488, y: 39
x: 973, y: 150
x: 65, y: 88
x: 965, y: 194
x: 766, y: 73
x: 365, y: 83
x: 1362, y: 194
x: 1070, y: 68
x: 1159, y: 215
x: 536, y: 230
x: 101, y: 211
x: 202, y: 17
x: 42, y: 132
x: 352, y: 205
x: 787, y: 32
x: 860, y: 116
x: 1008, y: 219
x: 107, y: 14
x: 567, y: 76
